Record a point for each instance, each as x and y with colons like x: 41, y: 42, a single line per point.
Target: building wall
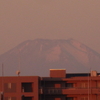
x: 13, y: 87
x: 58, y: 73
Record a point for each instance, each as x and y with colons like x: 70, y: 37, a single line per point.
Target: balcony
x: 91, y: 90
x: 64, y: 91
x: 51, y: 91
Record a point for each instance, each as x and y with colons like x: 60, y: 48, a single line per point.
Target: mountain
x: 36, y: 57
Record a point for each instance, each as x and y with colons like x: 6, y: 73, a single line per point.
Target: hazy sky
x: 22, y: 20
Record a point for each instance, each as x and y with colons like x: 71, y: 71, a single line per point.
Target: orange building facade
x: 59, y: 86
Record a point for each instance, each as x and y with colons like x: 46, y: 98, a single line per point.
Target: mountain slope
x: 36, y: 57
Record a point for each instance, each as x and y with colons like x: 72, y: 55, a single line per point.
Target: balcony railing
x: 51, y: 91
x: 64, y: 90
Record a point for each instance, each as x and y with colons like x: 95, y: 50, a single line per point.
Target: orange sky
x: 22, y: 20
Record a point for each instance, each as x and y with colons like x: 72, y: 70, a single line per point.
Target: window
x: 84, y: 98
x: 69, y: 98
x: 69, y: 85
x: 28, y: 98
x: 57, y: 98
x: 84, y: 85
x: 57, y: 85
x: 9, y: 85
x: 9, y: 98
x: 27, y: 87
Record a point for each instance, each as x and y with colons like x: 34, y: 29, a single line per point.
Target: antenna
x: 19, y: 59
x: 1, y: 93
x: 19, y: 64
x: 2, y: 70
x: 2, y: 75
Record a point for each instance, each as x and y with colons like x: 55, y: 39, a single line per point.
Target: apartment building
x: 59, y: 86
